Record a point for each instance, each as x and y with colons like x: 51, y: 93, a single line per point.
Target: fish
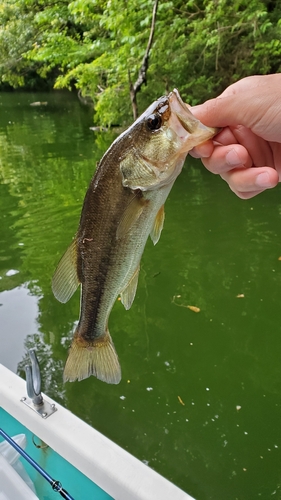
x: 123, y: 205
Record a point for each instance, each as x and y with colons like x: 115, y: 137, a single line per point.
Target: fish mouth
x: 181, y: 110
x: 179, y: 107
x: 189, y: 130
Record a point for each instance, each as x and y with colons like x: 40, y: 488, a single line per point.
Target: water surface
x: 199, y: 399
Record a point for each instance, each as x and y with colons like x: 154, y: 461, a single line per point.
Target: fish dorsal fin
x: 130, y: 215
x: 155, y: 232
x: 128, y: 294
x: 65, y: 280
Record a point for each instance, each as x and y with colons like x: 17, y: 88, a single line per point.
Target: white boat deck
x: 113, y: 469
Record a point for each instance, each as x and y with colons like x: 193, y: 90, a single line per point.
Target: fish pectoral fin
x: 130, y: 215
x: 65, y: 280
x: 96, y: 358
x: 155, y: 232
x: 128, y: 294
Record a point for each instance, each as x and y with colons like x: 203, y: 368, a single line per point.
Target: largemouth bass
x: 124, y: 204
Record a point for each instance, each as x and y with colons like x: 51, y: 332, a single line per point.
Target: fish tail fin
x: 97, y: 358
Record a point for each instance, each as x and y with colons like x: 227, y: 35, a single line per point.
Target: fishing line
x: 56, y: 485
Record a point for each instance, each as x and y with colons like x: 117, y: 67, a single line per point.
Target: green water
x: 199, y: 400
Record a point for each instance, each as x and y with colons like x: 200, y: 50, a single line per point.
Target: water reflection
x: 19, y: 312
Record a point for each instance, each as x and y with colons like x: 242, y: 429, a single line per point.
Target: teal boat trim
x: 55, y: 484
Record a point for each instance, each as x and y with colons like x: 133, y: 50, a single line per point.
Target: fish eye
x: 154, y: 122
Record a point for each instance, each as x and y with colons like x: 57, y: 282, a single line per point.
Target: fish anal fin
x: 130, y: 215
x: 128, y: 294
x: 155, y: 232
x: 97, y: 358
x: 65, y: 280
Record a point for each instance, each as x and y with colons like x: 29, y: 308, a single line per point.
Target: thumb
x: 258, y: 111
x: 223, y: 112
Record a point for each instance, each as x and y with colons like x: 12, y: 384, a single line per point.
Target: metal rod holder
x: 35, y: 399
x: 33, y: 379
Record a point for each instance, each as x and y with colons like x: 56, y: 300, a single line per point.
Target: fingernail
x: 232, y: 158
x: 263, y: 180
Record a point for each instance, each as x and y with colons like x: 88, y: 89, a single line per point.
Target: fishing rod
x: 56, y: 485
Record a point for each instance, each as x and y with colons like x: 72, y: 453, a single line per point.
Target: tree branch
x: 135, y: 88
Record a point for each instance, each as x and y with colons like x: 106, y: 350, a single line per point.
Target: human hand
x: 249, y: 113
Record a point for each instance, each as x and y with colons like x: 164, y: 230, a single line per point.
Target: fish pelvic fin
x: 97, y: 358
x: 65, y: 280
x: 128, y: 294
x: 155, y: 232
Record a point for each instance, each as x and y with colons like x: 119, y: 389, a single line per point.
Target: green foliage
x: 97, y: 46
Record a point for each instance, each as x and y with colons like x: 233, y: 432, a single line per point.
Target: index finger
x: 224, y: 137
